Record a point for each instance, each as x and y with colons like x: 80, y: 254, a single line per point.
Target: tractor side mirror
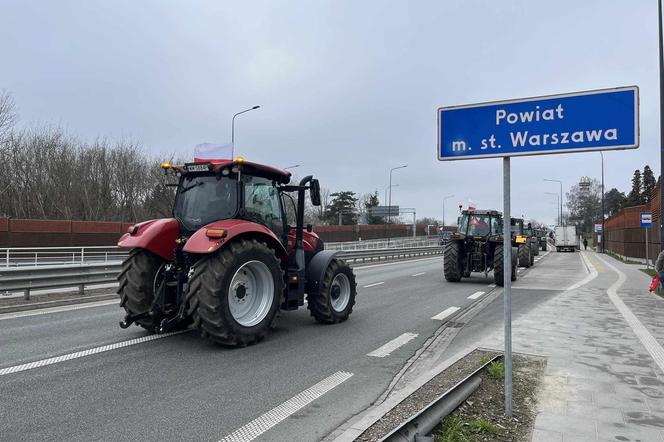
x: 310, y: 228
x: 314, y: 192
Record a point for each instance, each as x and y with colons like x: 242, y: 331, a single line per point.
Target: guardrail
x: 41, y: 277
x: 40, y: 256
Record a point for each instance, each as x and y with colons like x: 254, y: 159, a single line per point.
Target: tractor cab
x: 479, y: 224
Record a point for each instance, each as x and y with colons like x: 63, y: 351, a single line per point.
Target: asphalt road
x: 183, y: 388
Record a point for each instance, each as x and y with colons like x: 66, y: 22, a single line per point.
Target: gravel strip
x: 488, y: 404
x: 426, y: 394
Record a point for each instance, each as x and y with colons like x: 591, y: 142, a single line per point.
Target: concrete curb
x: 373, y: 414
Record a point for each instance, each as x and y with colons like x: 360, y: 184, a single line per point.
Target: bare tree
x: 8, y: 115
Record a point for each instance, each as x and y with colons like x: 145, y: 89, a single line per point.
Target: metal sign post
x: 586, y: 121
x: 507, y: 285
x: 646, y: 223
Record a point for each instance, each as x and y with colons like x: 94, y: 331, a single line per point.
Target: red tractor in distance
x: 228, y: 260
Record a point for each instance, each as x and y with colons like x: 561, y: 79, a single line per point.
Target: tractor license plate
x: 203, y: 167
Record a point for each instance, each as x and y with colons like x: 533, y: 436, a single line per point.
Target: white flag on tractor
x: 211, y: 151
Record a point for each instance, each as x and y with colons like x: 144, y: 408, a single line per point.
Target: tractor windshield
x: 202, y: 199
x: 479, y: 225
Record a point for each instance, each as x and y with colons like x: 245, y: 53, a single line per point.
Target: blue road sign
x: 646, y: 219
x: 576, y: 122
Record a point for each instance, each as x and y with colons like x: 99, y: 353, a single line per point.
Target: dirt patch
x: 481, y: 417
x: 426, y: 394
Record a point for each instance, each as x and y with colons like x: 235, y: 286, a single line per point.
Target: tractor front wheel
x: 498, y: 267
x: 336, y: 299
x: 234, y: 294
x: 137, y: 283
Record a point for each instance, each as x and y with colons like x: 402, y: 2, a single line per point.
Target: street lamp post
x: 561, y: 197
x: 388, y: 187
x: 445, y: 198
x: 557, y: 205
x: 389, y: 204
x: 233, y: 129
x: 292, y: 167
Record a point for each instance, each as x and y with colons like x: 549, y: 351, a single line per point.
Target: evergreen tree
x: 614, y: 200
x: 371, y: 202
x: 343, y: 203
x: 635, y: 196
x: 648, y: 184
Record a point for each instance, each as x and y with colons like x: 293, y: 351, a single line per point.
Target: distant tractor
x: 541, y: 236
x: 227, y: 260
x: 534, y: 241
x: 477, y: 246
x: 522, y: 242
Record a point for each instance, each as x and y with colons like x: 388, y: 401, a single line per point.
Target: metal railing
x: 39, y: 256
x: 42, y: 277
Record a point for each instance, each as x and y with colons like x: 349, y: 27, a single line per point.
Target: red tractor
x: 228, y: 261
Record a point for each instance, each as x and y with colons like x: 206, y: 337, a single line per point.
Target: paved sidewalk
x: 604, y: 379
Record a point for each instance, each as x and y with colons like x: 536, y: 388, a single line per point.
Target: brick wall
x: 625, y: 236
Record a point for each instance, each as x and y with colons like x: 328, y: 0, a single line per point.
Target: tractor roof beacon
x: 227, y: 260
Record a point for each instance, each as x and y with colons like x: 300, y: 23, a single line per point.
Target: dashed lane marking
x: 419, y: 274
x: 64, y: 308
x: 387, y: 349
x: 649, y: 342
x: 476, y: 295
x: 493, y: 286
x: 446, y: 313
x: 374, y: 284
x: 83, y: 353
x: 263, y: 423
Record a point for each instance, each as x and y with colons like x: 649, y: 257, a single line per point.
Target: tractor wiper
x: 199, y: 183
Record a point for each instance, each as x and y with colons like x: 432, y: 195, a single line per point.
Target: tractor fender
x: 157, y: 235
x: 317, y: 268
x: 200, y: 243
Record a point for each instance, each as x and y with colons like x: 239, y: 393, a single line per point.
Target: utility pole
x: 661, y: 129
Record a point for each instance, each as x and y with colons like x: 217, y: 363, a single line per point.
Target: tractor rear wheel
x: 234, y: 294
x: 138, y: 280
x: 532, y: 257
x: 498, y: 267
x: 451, y: 264
x: 524, y: 255
x: 535, y: 248
x: 335, y: 301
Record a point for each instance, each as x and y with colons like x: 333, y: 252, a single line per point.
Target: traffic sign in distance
x: 577, y: 122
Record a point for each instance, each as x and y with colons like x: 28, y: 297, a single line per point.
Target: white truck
x: 566, y: 238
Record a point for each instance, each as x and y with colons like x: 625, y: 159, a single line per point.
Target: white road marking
x: 83, y: 353
x: 387, y: 349
x: 588, y: 267
x: 445, y: 313
x: 641, y: 332
x: 419, y: 274
x: 493, y: 286
x: 374, y: 284
x: 64, y: 308
x: 398, y: 263
x: 263, y: 423
x: 475, y: 295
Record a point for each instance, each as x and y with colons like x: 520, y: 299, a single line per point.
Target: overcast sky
x: 347, y: 89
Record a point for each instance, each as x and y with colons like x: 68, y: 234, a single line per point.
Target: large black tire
x: 544, y: 247
x: 535, y: 248
x: 339, y: 278
x: 515, y: 267
x: 498, y: 268
x: 451, y: 264
x: 524, y: 255
x: 209, y: 286
x: 137, y: 284
x: 532, y: 256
